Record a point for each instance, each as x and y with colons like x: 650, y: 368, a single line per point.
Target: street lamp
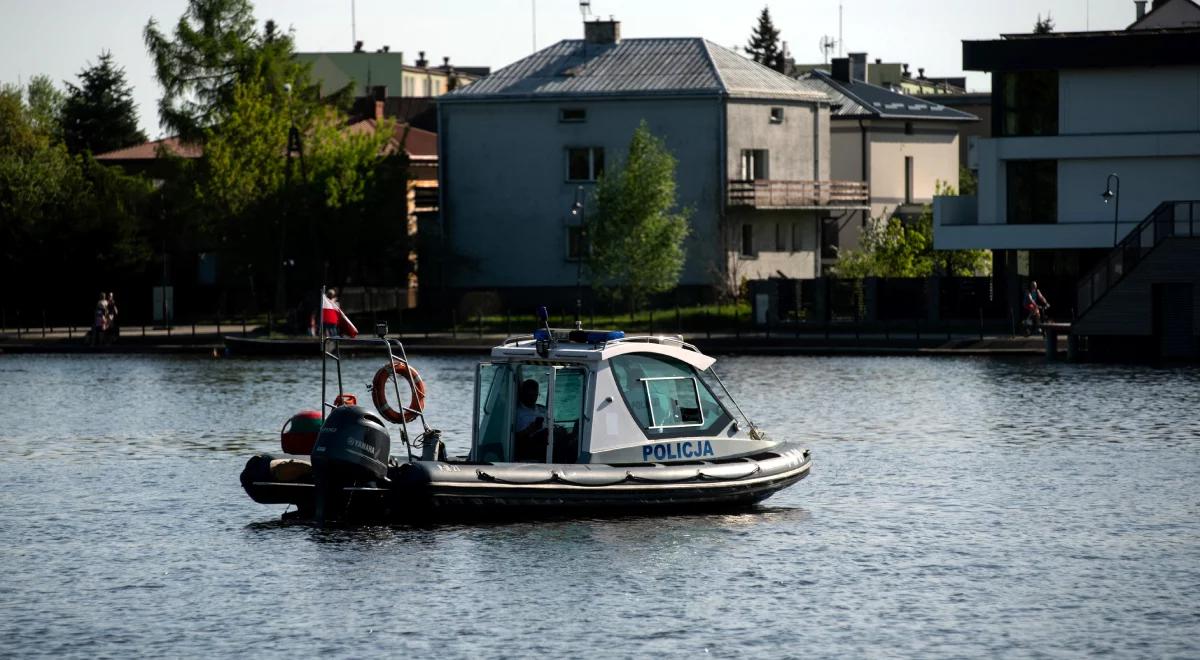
x: 1115, y: 195
x: 577, y: 211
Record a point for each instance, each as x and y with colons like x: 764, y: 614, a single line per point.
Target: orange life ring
x: 379, y: 387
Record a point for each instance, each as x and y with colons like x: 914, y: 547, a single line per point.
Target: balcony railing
x: 1168, y: 219
x: 774, y: 194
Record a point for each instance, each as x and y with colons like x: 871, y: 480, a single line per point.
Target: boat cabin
x: 601, y: 397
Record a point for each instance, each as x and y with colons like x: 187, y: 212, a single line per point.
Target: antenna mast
x: 353, y: 25
x: 585, y: 8
x: 533, y: 20
x: 839, y: 41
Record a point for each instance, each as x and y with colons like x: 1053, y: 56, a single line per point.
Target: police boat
x: 565, y: 421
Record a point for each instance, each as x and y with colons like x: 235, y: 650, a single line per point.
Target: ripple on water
x: 957, y: 507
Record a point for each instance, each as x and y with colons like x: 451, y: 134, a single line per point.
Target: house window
x: 585, y: 163
x: 1032, y: 192
x: 776, y: 115
x: 425, y: 86
x: 829, y: 238
x: 437, y: 87
x: 797, y: 238
x: 747, y: 240
x: 908, y: 128
x: 408, y: 86
x: 754, y: 164
x: 908, y: 179
x: 1027, y: 103
x: 572, y: 115
x: 780, y: 238
x: 576, y: 242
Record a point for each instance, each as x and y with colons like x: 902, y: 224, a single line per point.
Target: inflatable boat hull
x: 447, y: 489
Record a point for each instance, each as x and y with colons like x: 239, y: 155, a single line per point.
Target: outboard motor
x: 352, y: 449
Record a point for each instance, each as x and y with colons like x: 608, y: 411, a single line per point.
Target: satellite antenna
x: 827, y: 44
x: 585, y: 8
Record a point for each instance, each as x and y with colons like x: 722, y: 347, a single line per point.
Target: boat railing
x: 657, y: 339
x: 646, y: 339
x: 335, y: 343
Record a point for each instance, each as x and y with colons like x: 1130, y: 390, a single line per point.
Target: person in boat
x: 530, y: 422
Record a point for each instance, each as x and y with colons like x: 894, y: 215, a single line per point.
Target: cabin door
x: 493, y: 406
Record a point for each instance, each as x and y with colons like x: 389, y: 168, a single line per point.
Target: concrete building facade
x: 521, y: 148
x: 903, y: 147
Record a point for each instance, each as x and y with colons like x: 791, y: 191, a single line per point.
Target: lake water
x: 958, y: 507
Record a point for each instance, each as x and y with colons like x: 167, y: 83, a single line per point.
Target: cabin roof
x: 524, y: 348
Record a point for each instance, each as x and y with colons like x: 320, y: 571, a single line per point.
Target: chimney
x: 905, y: 72
x: 602, y: 32
x: 358, y: 46
x: 421, y: 61
x: 858, y: 67
x: 1141, y: 8
x: 839, y: 68
x: 921, y: 73
x: 387, y: 48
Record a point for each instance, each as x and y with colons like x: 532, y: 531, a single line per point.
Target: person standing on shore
x: 113, y: 331
x: 99, y: 320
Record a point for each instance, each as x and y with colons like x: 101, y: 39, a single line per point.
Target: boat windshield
x: 667, y: 396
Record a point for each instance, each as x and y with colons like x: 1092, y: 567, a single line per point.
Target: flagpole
x: 321, y: 344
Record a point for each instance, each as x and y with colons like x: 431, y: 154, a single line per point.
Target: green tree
x: 764, y: 46
x: 636, y: 233
x: 99, y: 115
x: 894, y: 248
x: 45, y: 106
x: 271, y: 210
x: 61, y: 215
x: 1043, y: 25
x: 214, y: 47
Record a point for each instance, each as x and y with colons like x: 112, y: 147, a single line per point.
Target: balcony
x: 770, y: 194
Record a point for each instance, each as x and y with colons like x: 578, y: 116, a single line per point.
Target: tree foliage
x: 764, y: 46
x: 99, y: 115
x: 61, y: 215
x: 637, y: 232
x: 213, y: 47
x: 895, y: 248
x: 1043, y: 25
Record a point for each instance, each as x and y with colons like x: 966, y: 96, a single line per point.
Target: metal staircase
x: 1167, y: 220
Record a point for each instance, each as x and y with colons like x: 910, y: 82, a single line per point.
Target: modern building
x: 903, y: 147
x: 1075, y: 115
x: 520, y: 148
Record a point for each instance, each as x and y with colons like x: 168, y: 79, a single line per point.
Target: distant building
x: 518, y: 147
x: 406, y: 89
x: 892, y: 75
x: 1068, y: 110
x: 902, y: 146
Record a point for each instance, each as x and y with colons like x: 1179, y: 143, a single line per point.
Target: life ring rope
x: 379, y: 386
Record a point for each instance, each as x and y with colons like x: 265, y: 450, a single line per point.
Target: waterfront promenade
x: 205, y: 339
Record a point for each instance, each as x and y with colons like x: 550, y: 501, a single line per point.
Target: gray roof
x: 857, y: 99
x: 573, y: 68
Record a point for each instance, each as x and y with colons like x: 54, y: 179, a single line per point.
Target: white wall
x: 1141, y: 100
x: 790, y: 143
x: 800, y: 242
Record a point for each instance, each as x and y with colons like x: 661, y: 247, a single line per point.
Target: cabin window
x: 665, y: 394
x: 493, y: 403
x: 584, y: 163
x: 572, y: 115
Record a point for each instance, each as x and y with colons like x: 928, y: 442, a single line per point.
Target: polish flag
x: 332, y: 315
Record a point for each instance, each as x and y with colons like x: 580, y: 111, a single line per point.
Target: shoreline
x: 817, y: 345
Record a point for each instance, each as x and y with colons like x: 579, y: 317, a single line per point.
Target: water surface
x: 958, y: 507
